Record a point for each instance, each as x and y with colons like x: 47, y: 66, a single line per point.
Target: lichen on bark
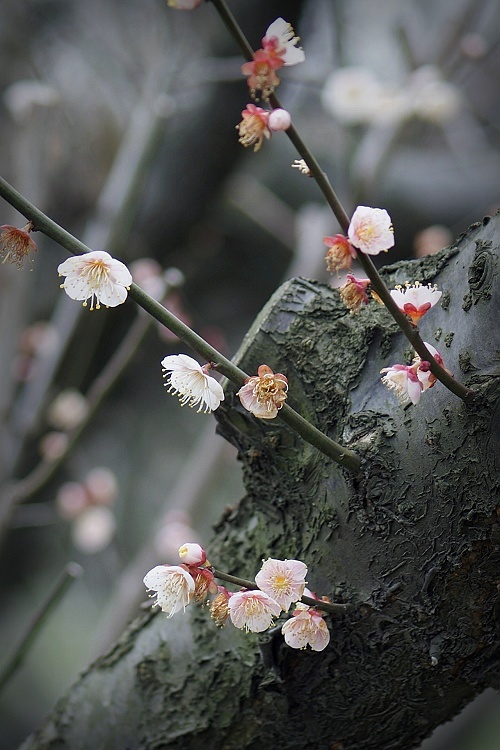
x: 411, y: 541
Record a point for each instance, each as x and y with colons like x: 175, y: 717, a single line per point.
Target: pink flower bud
x: 279, y: 119
x: 192, y: 554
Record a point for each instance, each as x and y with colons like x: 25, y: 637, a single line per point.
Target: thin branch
x: 411, y: 333
x: 317, y: 603
x: 69, y: 575
x: 311, y: 434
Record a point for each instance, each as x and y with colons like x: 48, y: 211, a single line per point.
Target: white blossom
x: 173, y: 587
x: 96, y: 276
x: 191, y: 382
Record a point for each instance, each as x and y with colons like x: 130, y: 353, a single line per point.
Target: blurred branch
x: 24, y: 488
x: 69, y: 575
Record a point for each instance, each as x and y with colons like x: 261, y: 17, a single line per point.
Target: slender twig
x: 411, y: 333
x: 311, y: 434
x: 71, y: 572
x: 318, y: 603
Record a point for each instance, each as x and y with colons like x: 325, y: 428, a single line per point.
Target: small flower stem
x: 317, y: 603
x: 411, y: 333
x: 307, y: 431
x: 71, y: 572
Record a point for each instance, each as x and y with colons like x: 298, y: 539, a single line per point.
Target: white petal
x: 180, y: 362
x: 293, y: 55
x: 156, y: 577
x: 277, y: 28
x: 77, y: 287
x: 111, y: 294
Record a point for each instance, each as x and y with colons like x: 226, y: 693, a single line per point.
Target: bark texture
x: 412, y: 542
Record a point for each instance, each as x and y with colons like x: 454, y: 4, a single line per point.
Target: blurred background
x: 117, y: 118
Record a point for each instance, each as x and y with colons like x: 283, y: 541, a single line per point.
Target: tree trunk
x: 412, y: 542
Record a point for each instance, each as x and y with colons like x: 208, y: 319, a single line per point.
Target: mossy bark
x: 412, y: 542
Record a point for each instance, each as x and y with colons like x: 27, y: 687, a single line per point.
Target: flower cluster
x: 279, y: 48
x: 354, y: 95
x: 370, y: 231
x: 280, y: 583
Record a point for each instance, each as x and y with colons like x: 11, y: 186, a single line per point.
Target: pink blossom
x: 192, y: 554
x: 415, y: 299
x: 340, y: 253
x: 371, y: 230
x: 253, y: 610
x: 426, y: 377
x: 260, y: 73
x: 306, y: 627
x: 404, y: 380
x: 173, y: 587
x: 282, y: 580
x: 264, y: 394
x: 254, y: 126
x: 279, y: 47
x: 353, y: 293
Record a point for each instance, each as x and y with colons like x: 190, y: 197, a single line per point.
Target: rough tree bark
x: 412, y: 542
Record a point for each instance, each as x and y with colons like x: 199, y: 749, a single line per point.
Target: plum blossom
x: 261, y: 74
x: 371, y: 230
x: 283, y: 580
x: 409, y: 381
x: 204, y: 583
x: 264, y: 394
x: 280, y: 40
x: 426, y: 377
x: 16, y: 244
x: 403, y: 379
x: 433, y: 99
x: 306, y: 627
x: 352, y: 94
x: 340, y: 253
x: 173, y: 587
x: 353, y: 293
x: 279, y: 48
x: 192, y: 554
x: 191, y: 382
x: 254, y: 126
x: 415, y: 299
x: 96, y: 276
x: 219, y: 609
x: 252, y: 610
